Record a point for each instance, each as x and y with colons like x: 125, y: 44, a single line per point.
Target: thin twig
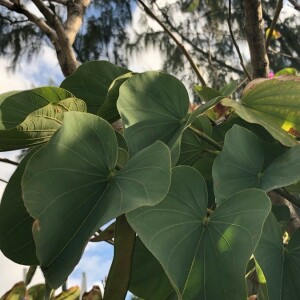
x: 275, y: 19
x: 63, y: 2
x: 235, y: 43
x: 285, y: 194
x: 206, y: 138
x: 295, y: 4
x: 197, y: 49
x: 179, y: 45
x: 283, y: 54
x: 8, y: 161
x: 2, y: 180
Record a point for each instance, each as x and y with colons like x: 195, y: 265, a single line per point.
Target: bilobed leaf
x: 153, y: 106
x: 72, y: 184
x: 108, y: 110
x: 39, y: 125
x: 91, y: 82
x: 16, y: 240
x: 148, y: 279
x: 205, y: 256
x: 280, y: 264
x: 16, y: 106
x: 248, y: 162
x: 275, y: 105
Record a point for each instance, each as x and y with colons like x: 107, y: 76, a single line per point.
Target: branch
x: 285, y: 194
x: 197, y: 49
x: 62, y: 45
x: 179, y: 45
x: 235, y: 43
x: 283, y: 54
x: 8, y: 161
x: 20, y: 9
x: 255, y: 38
x: 51, y: 18
x: 275, y: 19
x: 63, y: 2
x: 2, y: 180
x: 119, y: 274
x: 295, y: 4
x: 75, y: 13
x: 206, y: 138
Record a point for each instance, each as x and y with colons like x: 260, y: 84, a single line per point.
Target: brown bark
x: 62, y: 35
x: 256, y: 38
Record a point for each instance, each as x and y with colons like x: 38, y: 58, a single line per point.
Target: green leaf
x: 153, y: 106
x: 203, y: 109
x: 39, y: 125
x: 230, y: 88
x: 72, y: 184
x: 36, y: 292
x: 72, y: 293
x: 192, y: 146
x: 148, y: 279
x: 280, y: 265
x: 16, y: 106
x: 206, y: 93
x: 16, y: 240
x: 190, y: 5
x: 286, y: 71
x: 275, y: 105
x: 91, y: 82
x: 205, y: 256
x: 17, y: 292
x: 248, y: 162
x: 108, y: 110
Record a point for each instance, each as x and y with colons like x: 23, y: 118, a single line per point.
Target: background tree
x: 83, y: 30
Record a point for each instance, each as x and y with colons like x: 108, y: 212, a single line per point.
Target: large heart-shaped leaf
x: 280, y: 264
x: 39, y: 125
x: 275, y: 105
x: 108, y: 110
x: 248, y: 162
x: 204, y: 255
x: 148, y: 279
x: 71, y: 189
x: 91, y: 82
x: 153, y: 106
x: 16, y: 240
x: 16, y: 106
